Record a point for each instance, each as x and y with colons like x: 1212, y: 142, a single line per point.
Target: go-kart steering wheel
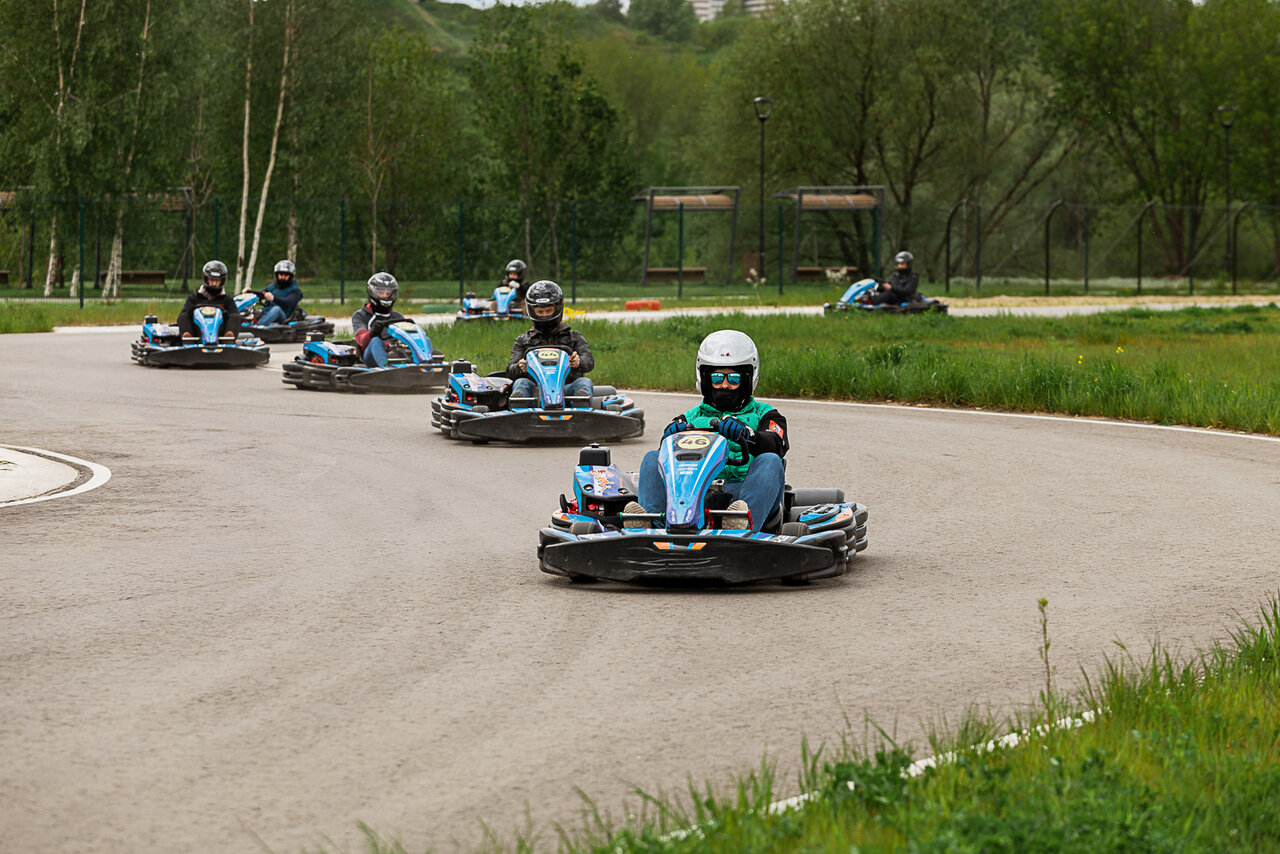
x: 741, y: 457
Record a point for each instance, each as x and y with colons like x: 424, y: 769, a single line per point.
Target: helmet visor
x: 381, y: 292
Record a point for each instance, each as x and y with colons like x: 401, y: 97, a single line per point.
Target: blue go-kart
x: 295, y: 329
x: 482, y: 408
x: 413, y: 365
x: 163, y: 345
x: 812, y: 534
x: 503, y: 305
x: 858, y: 298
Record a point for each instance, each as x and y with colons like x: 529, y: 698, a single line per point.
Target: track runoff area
x: 288, y: 612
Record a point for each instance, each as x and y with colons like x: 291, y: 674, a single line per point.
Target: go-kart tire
x: 793, y: 529
x: 811, y: 496
x: 580, y: 527
x: 604, y: 391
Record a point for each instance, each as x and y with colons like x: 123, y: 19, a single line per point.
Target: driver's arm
x: 360, y: 328
x: 585, y: 360
x: 517, y: 354
x: 771, y: 436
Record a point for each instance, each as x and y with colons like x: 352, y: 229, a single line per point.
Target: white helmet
x: 727, y: 348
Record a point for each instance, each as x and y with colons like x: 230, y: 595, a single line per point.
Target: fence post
x: 1235, y: 244
x: 680, y: 250
x: 946, y: 268
x: 462, y: 250
x: 1142, y: 214
x: 342, y: 252
x: 977, y: 253
x: 1191, y: 248
x: 782, y: 224
x: 574, y: 253
x: 81, y: 267
x: 1047, y: 219
x: 1085, y: 216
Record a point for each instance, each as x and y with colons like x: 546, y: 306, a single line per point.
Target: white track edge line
x: 101, y: 474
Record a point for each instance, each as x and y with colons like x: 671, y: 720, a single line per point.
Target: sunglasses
x: 718, y: 377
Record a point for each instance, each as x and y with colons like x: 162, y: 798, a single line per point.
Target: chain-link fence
x: 440, y: 249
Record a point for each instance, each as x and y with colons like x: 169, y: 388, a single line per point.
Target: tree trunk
x: 50, y: 277
x: 374, y: 236
x: 244, y: 157
x: 75, y: 282
x: 275, y: 140
x: 111, y: 285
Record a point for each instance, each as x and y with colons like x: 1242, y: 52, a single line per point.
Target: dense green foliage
x: 547, y: 118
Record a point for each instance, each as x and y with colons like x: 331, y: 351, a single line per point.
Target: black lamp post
x: 764, y: 107
x: 1226, y: 118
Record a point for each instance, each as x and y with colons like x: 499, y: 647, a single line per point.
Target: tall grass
x: 1202, y: 367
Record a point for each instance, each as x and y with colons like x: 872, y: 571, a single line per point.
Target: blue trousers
x: 762, y: 488
x: 273, y: 314
x: 375, y: 353
x: 525, y: 387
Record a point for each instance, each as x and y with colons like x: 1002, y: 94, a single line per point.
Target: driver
x: 902, y: 286
x: 545, y: 303
x: 211, y: 292
x: 372, y: 319
x: 728, y: 368
x: 280, y: 297
x: 514, y: 278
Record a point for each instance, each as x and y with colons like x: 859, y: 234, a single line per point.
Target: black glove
x: 378, y: 324
x: 261, y: 295
x: 735, y: 431
x: 676, y: 426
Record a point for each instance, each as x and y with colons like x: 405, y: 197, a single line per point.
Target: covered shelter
x: 681, y: 199
x: 830, y: 199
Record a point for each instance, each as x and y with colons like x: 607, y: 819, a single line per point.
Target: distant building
x: 707, y: 10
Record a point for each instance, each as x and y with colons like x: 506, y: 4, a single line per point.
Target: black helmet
x: 541, y: 295
x: 286, y: 267
x: 518, y: 267
x: 215, y: 276
x: 903, y: 259
x: 382, y: 290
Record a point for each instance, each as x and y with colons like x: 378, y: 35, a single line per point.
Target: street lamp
x: 1226, y: 118
x: 764, y: 107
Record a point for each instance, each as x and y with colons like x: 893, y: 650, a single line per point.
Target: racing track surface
x: 291, y: 611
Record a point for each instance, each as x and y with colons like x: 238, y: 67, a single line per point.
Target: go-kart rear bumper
x: 582, y: 425
x: 656, y: 557
x: 191, y: 356
x: 292, y: 333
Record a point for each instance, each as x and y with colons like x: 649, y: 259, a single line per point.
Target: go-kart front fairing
x: 504, y: 304
x: 413, y: 366
x: 297, y: 328
x: 163, y: 345
x: 812, y: 535
x: 858, y: 298
x: 481, y: 408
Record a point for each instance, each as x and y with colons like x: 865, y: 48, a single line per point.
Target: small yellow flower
x: 1119, y: 349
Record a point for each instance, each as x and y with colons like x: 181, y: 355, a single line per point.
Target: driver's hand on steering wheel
x: 520, y: 364
x: 734, y: 430
x: 574, y: 360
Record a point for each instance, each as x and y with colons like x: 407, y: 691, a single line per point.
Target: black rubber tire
x: 580, y: 527
x: 793, y: 529
x: 603, y: 391
x: 811, y: 496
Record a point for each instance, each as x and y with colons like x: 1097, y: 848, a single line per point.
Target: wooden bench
x: 672, y: 274
x: 137, y: 277
x: 819, y: 274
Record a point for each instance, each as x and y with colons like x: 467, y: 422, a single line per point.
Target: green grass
x: 1202, y: 367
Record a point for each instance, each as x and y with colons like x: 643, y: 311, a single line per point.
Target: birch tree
x: 275, y: 138
x: 244, y: 153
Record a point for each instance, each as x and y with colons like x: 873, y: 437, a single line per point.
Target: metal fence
x: 454, y: 246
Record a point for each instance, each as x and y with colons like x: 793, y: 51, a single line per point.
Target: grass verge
x: 1201, y: 367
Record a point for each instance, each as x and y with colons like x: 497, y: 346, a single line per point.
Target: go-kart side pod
x: 395, y: 379
x: 657, y: 557
x: 573, y: 424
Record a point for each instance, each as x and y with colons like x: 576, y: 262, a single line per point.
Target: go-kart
x: 858, y: 298
x: 296, y: 328
x: 412, y: 365
x: 482, y: 408
x: 503, y: 305
x: 163, y: 345
x: 812, y: 534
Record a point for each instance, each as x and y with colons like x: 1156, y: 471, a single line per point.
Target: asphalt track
x: 290, y: 611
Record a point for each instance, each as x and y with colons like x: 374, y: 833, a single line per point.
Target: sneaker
x: 634, y: 507
x: 736, y: 523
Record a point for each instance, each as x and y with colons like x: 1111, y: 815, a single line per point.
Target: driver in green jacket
x: 728, y: 368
